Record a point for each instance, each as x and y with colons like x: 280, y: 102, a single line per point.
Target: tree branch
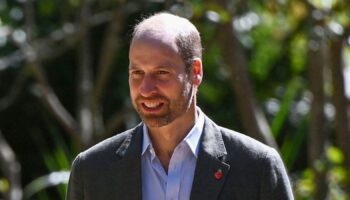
x: 12, y: 170
x: 253, y: 119
x: 47, y: 94
x: 339, y: 98
x: 110, y: 46
x: 14, y: 91
x: 85, y: 82
x: 58, y: 42
x: 317, y: 133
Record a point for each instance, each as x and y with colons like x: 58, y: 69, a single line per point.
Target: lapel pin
x: 218, y: 174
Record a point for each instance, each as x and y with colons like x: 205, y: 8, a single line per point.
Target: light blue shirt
x: 177, y: 184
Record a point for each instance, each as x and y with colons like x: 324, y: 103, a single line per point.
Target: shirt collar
x: 146, y: 142
x: 192, y: 138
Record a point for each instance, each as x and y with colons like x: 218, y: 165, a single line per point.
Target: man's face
x: 161, y: 90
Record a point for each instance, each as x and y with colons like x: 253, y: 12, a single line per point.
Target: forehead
x: 148, y: 44
x: 157, y: 35
x: 151, y: 51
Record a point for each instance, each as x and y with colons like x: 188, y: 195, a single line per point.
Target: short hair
x: 185, y: 34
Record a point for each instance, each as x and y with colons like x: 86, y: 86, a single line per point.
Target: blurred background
x: 276, y: 70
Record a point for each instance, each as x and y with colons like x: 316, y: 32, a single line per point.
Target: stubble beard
x: 172, y: 109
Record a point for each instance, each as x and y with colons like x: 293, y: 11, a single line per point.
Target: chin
x: 156, y: 122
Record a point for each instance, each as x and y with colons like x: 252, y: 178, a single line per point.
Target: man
x: 177, y: 152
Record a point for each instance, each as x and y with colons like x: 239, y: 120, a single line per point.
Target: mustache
x: 153, y: 97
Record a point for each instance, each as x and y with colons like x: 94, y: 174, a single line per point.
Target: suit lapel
x: 210, y: 162
x: 211, y: 170
x: 130, y: 166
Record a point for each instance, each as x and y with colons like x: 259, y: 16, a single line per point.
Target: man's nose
x: 148, y: 86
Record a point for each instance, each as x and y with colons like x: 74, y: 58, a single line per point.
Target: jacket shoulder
x: 255, y: 167
x: 102, y: 165
x: 108, y: 146
x: 238, y: 144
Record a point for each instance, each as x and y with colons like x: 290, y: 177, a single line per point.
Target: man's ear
x: 197, y: 71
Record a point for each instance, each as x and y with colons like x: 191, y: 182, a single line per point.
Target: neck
x: 166, y: 138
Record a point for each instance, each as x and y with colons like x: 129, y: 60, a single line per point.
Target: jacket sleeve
x: 75, y: 184
x: 275, y: 183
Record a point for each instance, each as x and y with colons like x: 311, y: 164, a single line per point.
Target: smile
x: 152, y: 105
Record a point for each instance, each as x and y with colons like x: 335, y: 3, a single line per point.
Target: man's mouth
x: 152, y: 105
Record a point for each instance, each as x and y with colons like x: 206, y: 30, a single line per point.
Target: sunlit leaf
x: 298, y: 50
x: 323, y: 4
x: 347, y: 55
x: 292, y: 90
x: 342, y: 17
x: 335, y: 155
x: 298, y: 9
x: 338, y: 174
x: 43, y: 182
x: 292, y: 144
x: 4, y: 185
x: 62, y: 159
x: 305, y: 185
x: 50, y: 161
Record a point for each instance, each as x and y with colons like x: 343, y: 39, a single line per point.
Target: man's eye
x: 163, y: 72
x: 137, y: 72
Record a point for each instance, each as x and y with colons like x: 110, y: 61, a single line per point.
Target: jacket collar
x: 132, y: 142
x: 129, y: 165
x: 210, y: 161
x: 211, y: 168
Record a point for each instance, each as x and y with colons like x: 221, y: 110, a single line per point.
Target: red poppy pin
x: 218, y: 174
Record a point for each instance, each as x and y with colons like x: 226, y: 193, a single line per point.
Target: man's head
x: 165, y: 69
x: 172, y: 28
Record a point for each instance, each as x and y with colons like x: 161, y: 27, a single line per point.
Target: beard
x: 171, y: 109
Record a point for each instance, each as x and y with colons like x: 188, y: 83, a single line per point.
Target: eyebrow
x: 132, y: 66
x: 160, y: 66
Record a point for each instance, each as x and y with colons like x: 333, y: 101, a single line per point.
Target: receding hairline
x: 163, y: 23
x: 173, y: 30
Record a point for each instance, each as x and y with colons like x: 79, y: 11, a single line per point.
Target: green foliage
x: 292, y: 144
x: 75, y: 3
x: 57, y: 159
x: 37, y: 187
x: 292, y: 90
x: 336, y: 174
x: 321, y: 4
x: 276, y: 46
x: 305, y: 185
x: 4, y: 185
x: 334, y: 155
x: 266, y: 50
x: 210, y: 93
x: 46, y: 7
x: 298, y: 51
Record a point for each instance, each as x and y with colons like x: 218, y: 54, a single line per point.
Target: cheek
x: 132, y: 89
x: 134, y: 84
x: 185, y: 83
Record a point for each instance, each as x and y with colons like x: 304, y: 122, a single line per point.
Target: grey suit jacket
x: 251, y: 170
